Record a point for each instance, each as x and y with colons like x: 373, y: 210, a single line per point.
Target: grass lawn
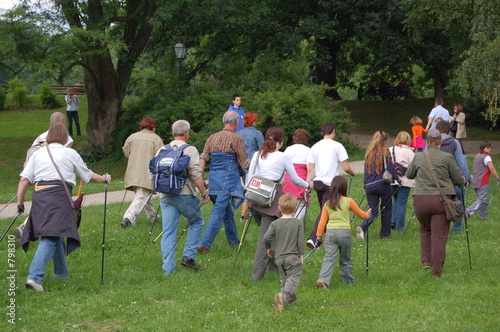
x: 396, y: 294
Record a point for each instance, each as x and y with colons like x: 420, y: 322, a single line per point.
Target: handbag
x: 387, y: 177
x: 453, y: 207
x: 399, y: 168
x: 76, y: 206
x: 261, y: 191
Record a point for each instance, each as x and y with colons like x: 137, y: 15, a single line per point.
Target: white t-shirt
x: 272, y: 168
x: 43, y: 137
x: 298, y: 153
x: 439, y: 112
x: 326, y: 155
x: 69, y: 162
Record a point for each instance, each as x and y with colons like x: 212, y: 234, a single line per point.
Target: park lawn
x: 395, y: 294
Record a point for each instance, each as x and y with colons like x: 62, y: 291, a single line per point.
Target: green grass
x: 396, y: 295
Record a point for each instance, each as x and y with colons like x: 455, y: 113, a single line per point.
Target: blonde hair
x: 403, y: 138
x: 374, y: 162
x: 287, y: 203
x: 416, y: 120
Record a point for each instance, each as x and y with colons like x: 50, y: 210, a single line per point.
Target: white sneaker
x: 32, y: 284
x: 361, y: 235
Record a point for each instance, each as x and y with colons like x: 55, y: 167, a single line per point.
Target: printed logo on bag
x: 257, y: 184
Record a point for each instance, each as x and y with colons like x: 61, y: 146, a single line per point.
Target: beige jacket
x: 139, y: 148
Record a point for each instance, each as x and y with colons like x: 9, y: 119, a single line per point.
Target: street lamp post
x: 180, y: 52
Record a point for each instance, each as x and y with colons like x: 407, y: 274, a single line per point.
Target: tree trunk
x: 104, y: 99
x: 440, y: 81
x: 329, y: 75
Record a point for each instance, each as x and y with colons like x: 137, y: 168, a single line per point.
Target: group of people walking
x: 239, y: 152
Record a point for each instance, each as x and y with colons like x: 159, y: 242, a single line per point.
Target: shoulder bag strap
x: 394, y: 153
x: 385, y: 162
x: 433, y: 172
x: 62, y: 179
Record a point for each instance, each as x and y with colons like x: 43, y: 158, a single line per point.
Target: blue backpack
x: 169, y: 169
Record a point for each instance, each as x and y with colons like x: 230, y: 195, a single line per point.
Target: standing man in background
x: 437, y: 112
x: 72, y: 111
x: 236, y: 106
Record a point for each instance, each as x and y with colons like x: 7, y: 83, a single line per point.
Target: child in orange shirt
x: 418, y: 141
x: 335, y: 219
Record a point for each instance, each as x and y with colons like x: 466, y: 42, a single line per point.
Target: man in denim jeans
x: 226, y: 153
x: 185, y: 203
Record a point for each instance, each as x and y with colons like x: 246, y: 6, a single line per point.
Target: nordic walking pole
x: 491, y: 199
x: 242, y: 238
x: 104, y: 225
x: 467, y: 229
x: 361, y: 202
x: 188, y: 223
x: 367, y: 248
x: 408, y: 225
x: 123, y: 200
x: 310, y: 252
x: 149, y: 236
x: 13, y: 198
x: 349, y: 188
x: 8, y: 228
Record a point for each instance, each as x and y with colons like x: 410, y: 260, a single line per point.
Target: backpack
x: 169, y: 169
x: 31, y: 151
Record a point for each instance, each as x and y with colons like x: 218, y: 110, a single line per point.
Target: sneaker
x: 202, y: 249
x: 310, y: 243
x: 126, y: 223
x: 18, y: 231
x: 321, y: 284
x: 361, y: 235
x: 278, y: 303
x: 32, y: 284
x: 427, y: 267
x: 189, y: 262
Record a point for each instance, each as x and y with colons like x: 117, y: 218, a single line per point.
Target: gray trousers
x: 481, y: 202
x: 337, y: 240
x: 261, y: 260
x: 290, y: 269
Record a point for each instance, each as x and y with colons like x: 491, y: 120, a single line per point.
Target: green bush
x: 48, y: 97
x: 2, y: 97
x: 17, y: 92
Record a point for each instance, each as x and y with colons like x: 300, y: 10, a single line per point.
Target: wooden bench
x: 62, y: 89
x: 389, y: 92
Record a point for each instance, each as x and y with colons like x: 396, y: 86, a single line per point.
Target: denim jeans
x: 221, y: 213
x: 172, y: 207
x: 50, y: 247
x: 399, y: 206
x: 73, y: 115
x: 457, y: 225
x: 375, y: 195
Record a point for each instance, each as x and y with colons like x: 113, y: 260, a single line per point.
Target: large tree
x: 105, y: 37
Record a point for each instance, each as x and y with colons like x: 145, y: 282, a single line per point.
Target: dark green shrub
x: 48, y: 97
x: 17, y: 92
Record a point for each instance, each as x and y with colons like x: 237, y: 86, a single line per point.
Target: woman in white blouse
x: 270, y: 163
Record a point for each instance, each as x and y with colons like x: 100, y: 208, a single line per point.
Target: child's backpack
x: 169, y: 169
